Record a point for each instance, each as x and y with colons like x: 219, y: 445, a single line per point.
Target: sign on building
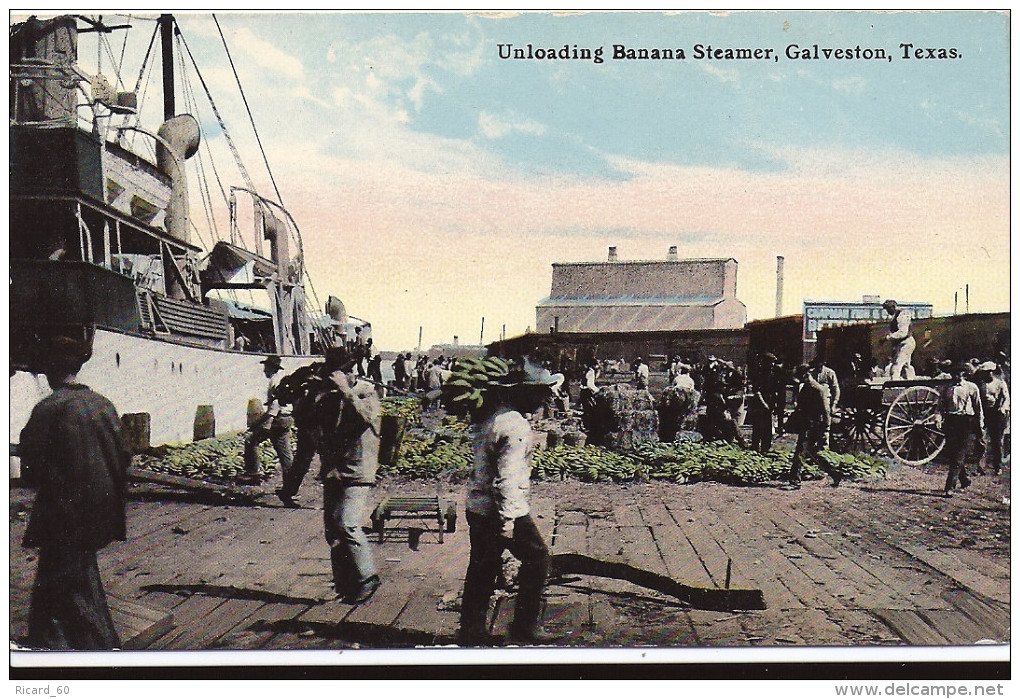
x: 824, y: 314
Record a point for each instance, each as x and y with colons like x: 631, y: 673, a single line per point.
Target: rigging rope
x: 191, y: 106
x: 139, y: 90
x: 123, y: 47
x: 223, y: 126
x: 251, y: 118
x: 265, y: 159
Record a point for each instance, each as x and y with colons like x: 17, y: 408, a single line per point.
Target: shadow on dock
x: 723, y: 599
x: 230, y: 592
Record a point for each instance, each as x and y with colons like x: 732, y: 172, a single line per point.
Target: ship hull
x: 167, y: 380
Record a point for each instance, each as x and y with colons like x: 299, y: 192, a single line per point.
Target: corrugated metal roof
x: 604, y: 302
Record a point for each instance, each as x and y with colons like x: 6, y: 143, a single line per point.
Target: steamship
x: 102, y: 234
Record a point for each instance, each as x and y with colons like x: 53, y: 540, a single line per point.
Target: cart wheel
x: 860, y: 430
x: 451, y: 518
x: 912, y: 433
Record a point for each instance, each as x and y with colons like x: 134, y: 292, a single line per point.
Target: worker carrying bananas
x: 498, y: 509
x: 351, y: 417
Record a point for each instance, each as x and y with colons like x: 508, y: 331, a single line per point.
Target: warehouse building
x: 642, y: 296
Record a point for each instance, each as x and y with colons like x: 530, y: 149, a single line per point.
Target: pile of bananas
x: 212, y: 460
x: 408, y: 409
x: 465, y: 391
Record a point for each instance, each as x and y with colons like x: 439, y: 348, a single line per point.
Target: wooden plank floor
x: 200, y: 575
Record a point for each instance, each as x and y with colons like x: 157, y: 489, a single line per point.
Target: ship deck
x: 877, y: 563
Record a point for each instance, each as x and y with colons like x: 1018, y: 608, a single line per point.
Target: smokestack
x: 671, y: 255
x: 779, y: 286
x: 612, y: 253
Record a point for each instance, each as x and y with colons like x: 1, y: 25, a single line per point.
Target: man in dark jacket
x: 72, y: 450
x: 300, y: 389
x: 811, y: 423
x: 349, y: 451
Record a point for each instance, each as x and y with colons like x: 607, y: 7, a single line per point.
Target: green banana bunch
x: 465, y: 391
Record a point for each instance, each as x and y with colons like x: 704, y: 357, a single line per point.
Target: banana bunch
x: 464, y: 392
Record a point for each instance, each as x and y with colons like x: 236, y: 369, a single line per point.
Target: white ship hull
x: 164, y: 379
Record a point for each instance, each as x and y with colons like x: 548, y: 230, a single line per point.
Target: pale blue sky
x: 565, y: 116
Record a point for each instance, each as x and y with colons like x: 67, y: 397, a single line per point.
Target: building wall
x: 729, y: 313
x: 636, y: 296
x: 644, y: 279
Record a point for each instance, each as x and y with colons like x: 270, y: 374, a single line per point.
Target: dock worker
x: 767, y: 392
x: 995, y: 405
x: 962, y: 415
x: 498, y: 509
x: 679, y: 400
x: 351, y: 414
x: 641, y: 374
x: 826, y: 377
x: 275, y: 425
x: 300, y: 389
x: 810, y: 420
x: 73, y: 451
x: 902, y: 342
x: 588, y: 393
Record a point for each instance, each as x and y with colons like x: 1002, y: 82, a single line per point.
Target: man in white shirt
x: 903, y: 342
x: 962, y: 414
x: 995, y: 404
x: 498, y: 509
x: 275, y: 425
x: 641, y: 373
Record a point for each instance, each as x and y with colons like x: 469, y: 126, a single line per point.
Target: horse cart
x: 902, y: 417
x: 899, y: 417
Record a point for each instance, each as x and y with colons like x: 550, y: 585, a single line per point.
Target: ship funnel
x: 612, y: 253
x: 671, y: 255
x: 180, y: 136
x: 336, y: 311
x: 275, y: 232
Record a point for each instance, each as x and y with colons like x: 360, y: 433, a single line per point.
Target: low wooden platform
x: 198, y: 574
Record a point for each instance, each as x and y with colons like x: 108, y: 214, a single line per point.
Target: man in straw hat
x: 275, y: 425
x: 72, y: 450
x: 498, y: 509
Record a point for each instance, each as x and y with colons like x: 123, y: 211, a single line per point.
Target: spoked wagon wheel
x: 860, y: 430
x: 912, y: 432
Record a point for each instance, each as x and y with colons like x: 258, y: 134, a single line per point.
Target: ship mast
x: 166, y: 32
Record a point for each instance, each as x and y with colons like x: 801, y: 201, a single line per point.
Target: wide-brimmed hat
x: 272, y: 361
x: 987, y: 366
x: 67, y: 346
x: 888, y: 302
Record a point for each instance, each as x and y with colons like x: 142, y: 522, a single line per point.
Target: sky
x: 435, y: 182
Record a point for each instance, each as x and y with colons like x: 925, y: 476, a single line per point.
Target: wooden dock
x: 837, y: 567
